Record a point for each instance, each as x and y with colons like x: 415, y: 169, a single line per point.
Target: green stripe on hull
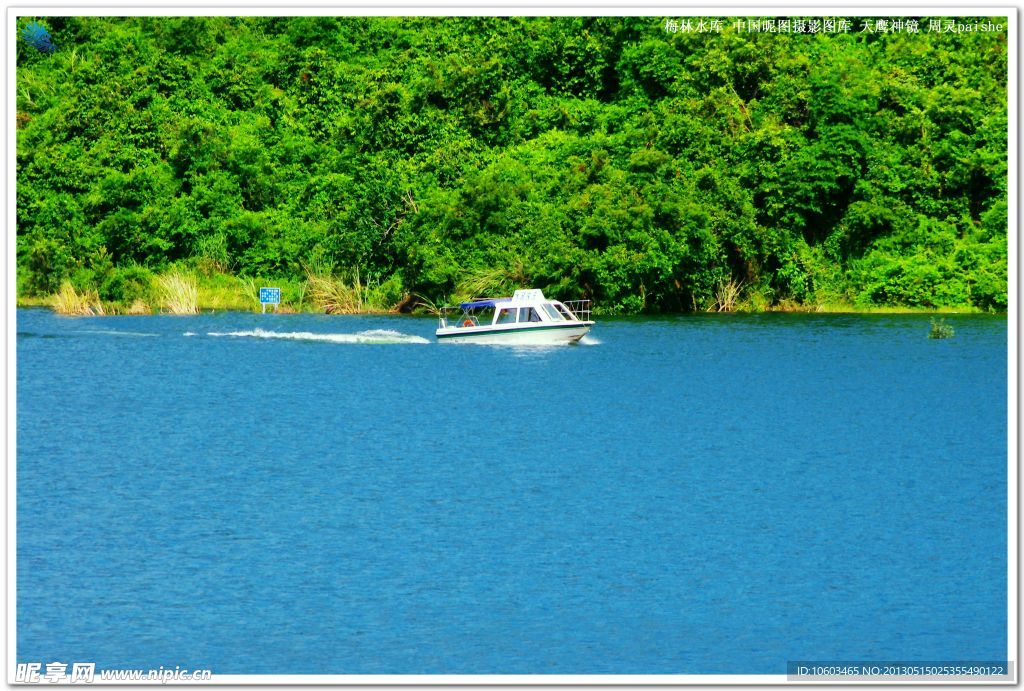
x: 495, y: 332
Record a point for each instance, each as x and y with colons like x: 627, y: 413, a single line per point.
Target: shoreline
x: 184, y: 290
x: 109, y: 310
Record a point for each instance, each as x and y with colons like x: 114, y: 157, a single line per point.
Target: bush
x: 989, y: 291
x: 46, y: 263
x: 940, y: 329
x: 126, y: 285
x: 612, y: 160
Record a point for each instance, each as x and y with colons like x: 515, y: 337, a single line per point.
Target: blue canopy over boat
x: 482, y: 303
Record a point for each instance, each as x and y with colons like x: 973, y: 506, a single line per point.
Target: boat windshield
x: 552, y: 312
x: 565, y: 311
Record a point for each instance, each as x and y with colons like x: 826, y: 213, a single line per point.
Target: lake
x: 709, y: 494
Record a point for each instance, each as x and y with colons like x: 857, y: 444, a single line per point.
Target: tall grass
x: 217, y: 291
x: 138, y: 306
x: 252, y: 292
x: 69, y: 301
x: 178, y: 293
x: 336, y: 294
x: 492, y: 282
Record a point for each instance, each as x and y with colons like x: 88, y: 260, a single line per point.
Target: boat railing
x: 444, y: 314
x: 580, y: 308
x: 462, y: 317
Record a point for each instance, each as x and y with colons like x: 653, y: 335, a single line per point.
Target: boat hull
x: 545, y: 334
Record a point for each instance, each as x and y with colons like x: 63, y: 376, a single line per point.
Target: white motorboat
x: 526, y: 318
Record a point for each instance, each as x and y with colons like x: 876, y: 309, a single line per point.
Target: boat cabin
x: 525, y: 308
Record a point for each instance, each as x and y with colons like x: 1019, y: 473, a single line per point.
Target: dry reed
x: 69, y: 301
x: 334, y: 295
x: 726, y: 295
x: 178, y: 293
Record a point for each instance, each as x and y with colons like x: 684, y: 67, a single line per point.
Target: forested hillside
x: 601, y: 157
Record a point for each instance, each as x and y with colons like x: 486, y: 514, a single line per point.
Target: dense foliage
x: 646, y: 169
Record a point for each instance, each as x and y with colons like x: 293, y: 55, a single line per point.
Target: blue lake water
x: 342, y: 495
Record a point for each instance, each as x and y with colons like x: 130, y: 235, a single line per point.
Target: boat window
x: 506, y: 316
x: 528, y: 314
x: 552, y: 312
x: 565, y: 311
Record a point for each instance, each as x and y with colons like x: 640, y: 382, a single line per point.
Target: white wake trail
x: 371, y: 336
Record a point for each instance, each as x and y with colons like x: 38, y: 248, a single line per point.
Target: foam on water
x: 371, y: 336
x: 115, y: 332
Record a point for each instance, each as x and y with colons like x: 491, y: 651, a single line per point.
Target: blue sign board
x: 270, y: 296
